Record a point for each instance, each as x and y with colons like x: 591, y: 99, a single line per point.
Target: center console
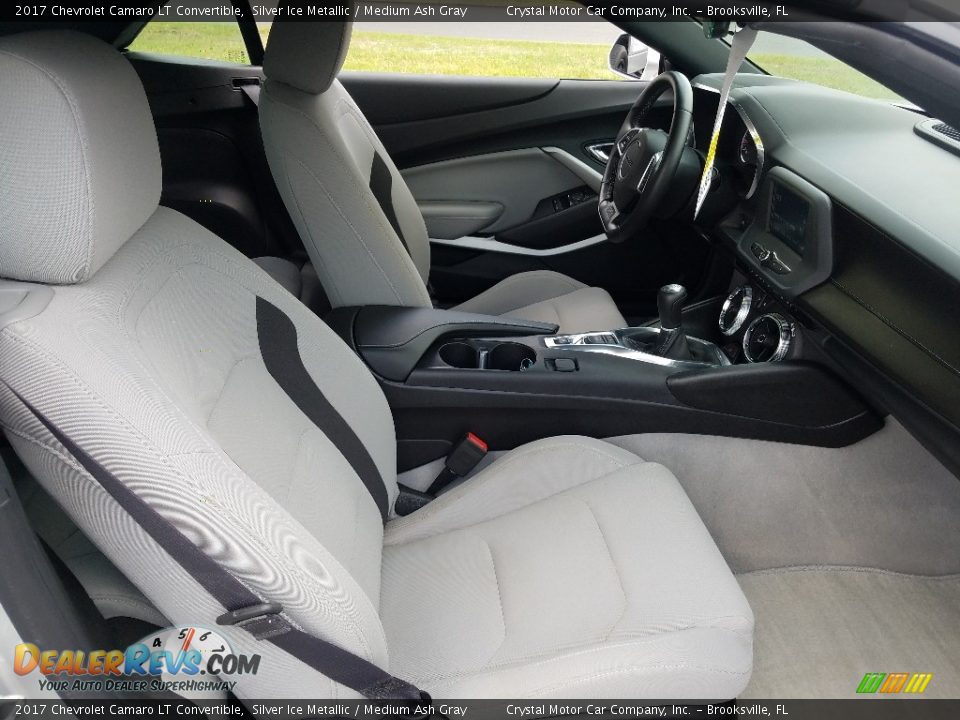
x: 446, y: 373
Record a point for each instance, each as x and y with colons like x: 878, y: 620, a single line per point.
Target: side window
x: 566, y: 50
x: 206, y: 40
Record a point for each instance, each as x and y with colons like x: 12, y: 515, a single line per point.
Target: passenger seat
x: 168, y: 393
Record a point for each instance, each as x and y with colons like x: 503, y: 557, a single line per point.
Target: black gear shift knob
x: 670, y: 301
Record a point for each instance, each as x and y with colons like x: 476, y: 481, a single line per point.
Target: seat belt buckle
x: 466, y: 455
x: 461, y: 461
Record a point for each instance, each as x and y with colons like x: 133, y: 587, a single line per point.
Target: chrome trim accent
x: 783, y: 345
x: 470, y: 242
x: 578, y: 342
x: 742, y: 312
x: 650, y: 170
x: 761, y: 152
x: 600, y: 151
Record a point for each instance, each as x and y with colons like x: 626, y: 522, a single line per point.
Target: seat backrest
x: 358, y: 219
x: 182, y: 368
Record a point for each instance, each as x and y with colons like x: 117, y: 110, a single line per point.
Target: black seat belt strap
x: 244, y: 609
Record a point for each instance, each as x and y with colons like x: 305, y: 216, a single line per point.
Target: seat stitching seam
x: 215, y: 403
x: 613, y: 565
x: 296, y: 454
x: 503, y: 617
x: 57, y: 453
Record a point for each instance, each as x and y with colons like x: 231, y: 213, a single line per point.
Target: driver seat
x: 356, y: 216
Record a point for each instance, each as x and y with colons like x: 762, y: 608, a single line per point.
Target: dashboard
x: 841, y: 218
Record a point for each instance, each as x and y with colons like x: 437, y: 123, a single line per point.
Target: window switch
x: 564, y: 364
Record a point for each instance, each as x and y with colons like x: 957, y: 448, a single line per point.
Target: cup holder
x: 502, y: 356
x: 511, y: 356
x: 460, y: 355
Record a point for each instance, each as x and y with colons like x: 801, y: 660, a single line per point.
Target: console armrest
x: 392, y: 339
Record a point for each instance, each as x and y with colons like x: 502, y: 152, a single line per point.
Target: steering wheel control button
x: 736, y: 310
x: 768, y: 338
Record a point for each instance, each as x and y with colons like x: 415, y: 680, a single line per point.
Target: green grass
x: 207, y: 40
x: 824, y: 71
x: 469, y: 56
x: 390, y: 52
x: 423, y: 54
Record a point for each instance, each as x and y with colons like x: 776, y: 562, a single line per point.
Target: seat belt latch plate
x: 252, y: 612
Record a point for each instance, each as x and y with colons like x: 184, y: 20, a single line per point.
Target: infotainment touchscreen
x: 788, y: 218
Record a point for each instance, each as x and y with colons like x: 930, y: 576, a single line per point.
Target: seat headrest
x: 79, y: 162
x: 306, y: 55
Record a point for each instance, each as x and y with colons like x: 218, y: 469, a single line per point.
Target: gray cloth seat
x: 568, y: 567
x: 355, y: 214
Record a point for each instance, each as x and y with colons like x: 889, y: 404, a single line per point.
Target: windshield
x: 799, y: 60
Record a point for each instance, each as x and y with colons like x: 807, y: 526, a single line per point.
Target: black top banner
x: 738, y: 11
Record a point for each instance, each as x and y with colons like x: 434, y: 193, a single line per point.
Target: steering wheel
x: 643, y: 161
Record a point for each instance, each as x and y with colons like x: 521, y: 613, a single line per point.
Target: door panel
x: 524, y: 145
x: 516, y: 180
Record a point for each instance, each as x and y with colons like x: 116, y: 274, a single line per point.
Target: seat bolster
x: 522, y: 477
x: 548, y: 296
x: 520, y: 290
x: 584, y: 310
x: 284, y: 272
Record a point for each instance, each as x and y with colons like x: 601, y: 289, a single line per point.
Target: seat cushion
x: 548, y: 296
x: 568, y: 568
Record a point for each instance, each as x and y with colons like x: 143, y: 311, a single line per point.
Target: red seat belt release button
x: 466, y: 455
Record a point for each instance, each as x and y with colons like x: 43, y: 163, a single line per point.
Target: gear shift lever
x: 672, y: 342
x: 669, y: 304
